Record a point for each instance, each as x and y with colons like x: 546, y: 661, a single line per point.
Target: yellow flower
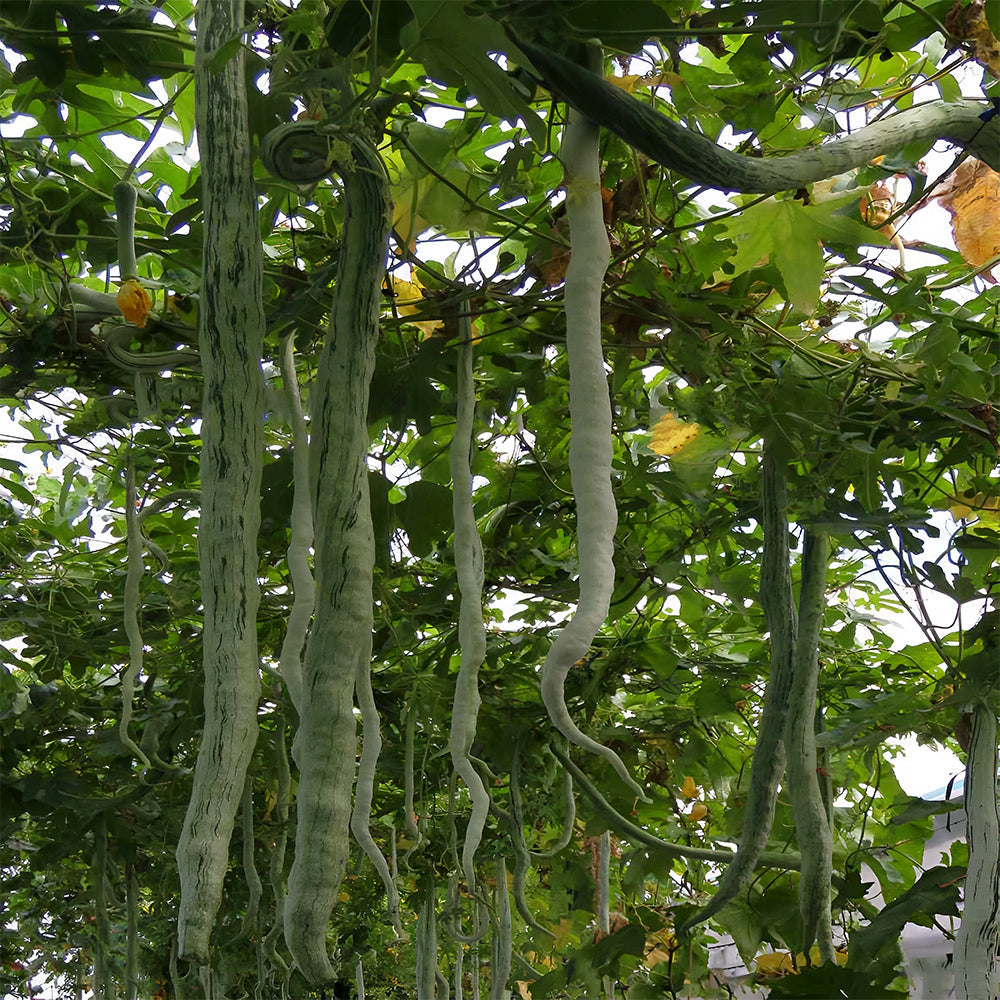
x: 134, y: 302
x: 698, y: 811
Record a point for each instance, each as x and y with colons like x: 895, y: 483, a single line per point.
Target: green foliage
x: 754, y: 318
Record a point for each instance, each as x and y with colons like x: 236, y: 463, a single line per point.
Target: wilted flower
x: 134, y: 302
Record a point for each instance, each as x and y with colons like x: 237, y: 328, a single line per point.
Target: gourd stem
x: 125, y: 202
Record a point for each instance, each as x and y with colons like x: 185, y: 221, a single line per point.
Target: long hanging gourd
x: 471, y: 629
x: 812, y: 826
x: 699, y: 159
x: 769, y: 751
x: 590, y: 450
x: 341, y: 638
x: 125, y: 201
x: 977, y: 938
x: 231, y: 333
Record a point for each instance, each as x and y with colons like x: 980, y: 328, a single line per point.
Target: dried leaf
x: 972, y: 198
x: 968, y: 22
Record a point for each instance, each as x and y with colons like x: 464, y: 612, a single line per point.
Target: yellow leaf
x: 628, y: 82
x: 408, y: 301
x: 980, y: 505
x: 774, y: 963
x: 655, y: 957
x: 968, y: 22
x: 671, y: 434
x: 690, y: 789
x: 134, y: 302
x: 698, y: 811
x: 814, y: 958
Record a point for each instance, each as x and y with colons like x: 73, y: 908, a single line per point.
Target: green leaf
x: 936, y: 891
x: 454, y: 48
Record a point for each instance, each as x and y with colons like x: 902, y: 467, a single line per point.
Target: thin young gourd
x: 361, y: 816
x: 812, y: 828
x: 131, y: 931
x: 590, y: 450
x: 768, y: 761
x: 301, y: 535
x: 503, y: 942
x: 125, y: 201
x: 481, y: 924
x: 255, y: 888
x: 340, y: 642
x: 102, y: 985
x: 569, y: 818
x: 276, y: 865
x: 459, y: 970
x: 604, y: 901
x: 425, y: 941
x: 522, y: 859
x: 471, y: 629
x: 231, y: 333
x: 130, y: 607
x: 409, y: 815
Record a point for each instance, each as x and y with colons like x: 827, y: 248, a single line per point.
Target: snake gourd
x: 339, y: 645
x: 231, y: 337
x: 967, y: 123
